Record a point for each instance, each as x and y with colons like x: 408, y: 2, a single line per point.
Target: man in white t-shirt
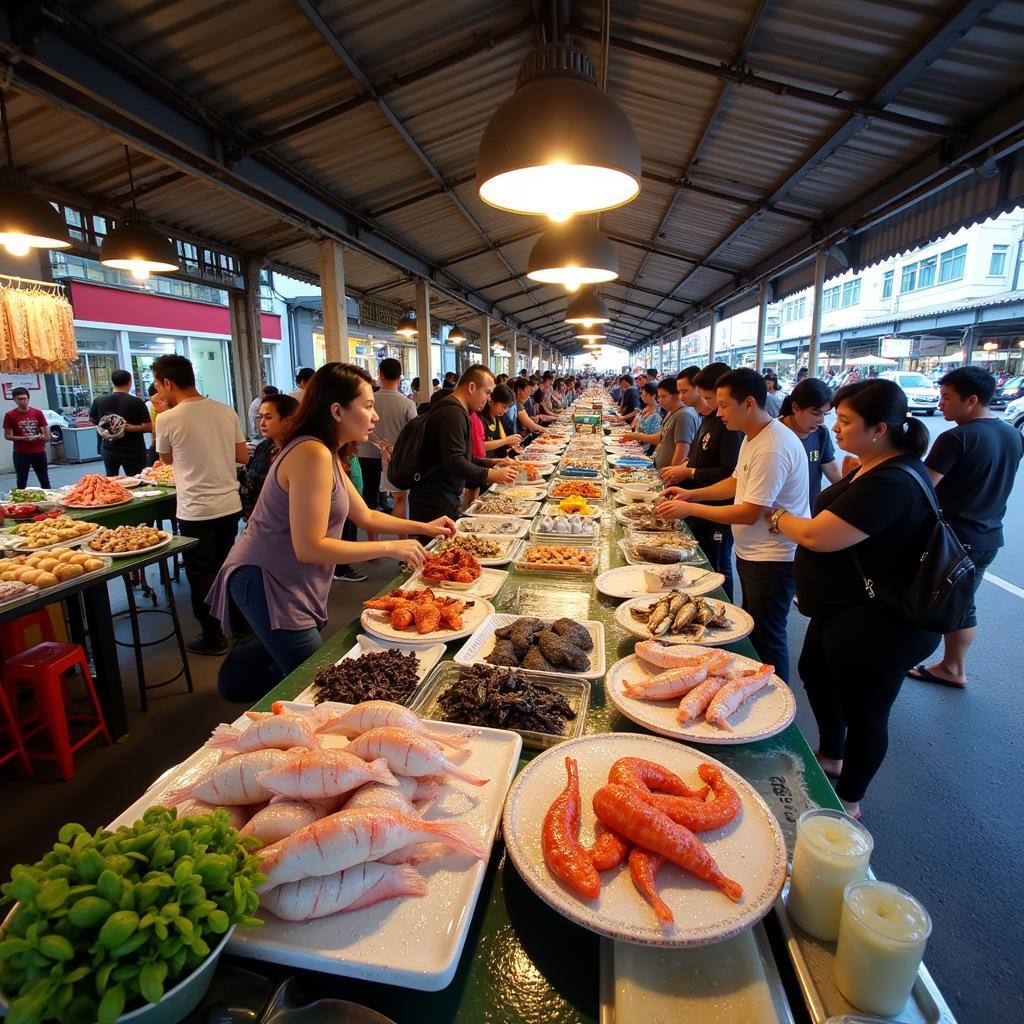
x: 204, y: 442
x: 771, y: 471
x: 302, y: 379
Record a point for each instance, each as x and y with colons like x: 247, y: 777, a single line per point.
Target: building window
x: 887, y: 284
x: 951, y: 264
x: 89, y: 375
x: 795, y: 309
x: 268, y: 363
x: 830, y: 299
x: 908, y: 280
x: 926, y: 272
x: 997, y: 261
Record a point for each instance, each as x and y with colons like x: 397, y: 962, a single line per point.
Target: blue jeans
x: 253, y: 668
x: 768, y: 590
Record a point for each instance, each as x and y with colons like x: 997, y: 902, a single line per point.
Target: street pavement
x: 947, y: 809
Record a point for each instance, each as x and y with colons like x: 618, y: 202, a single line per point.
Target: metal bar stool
x: 133, y: 612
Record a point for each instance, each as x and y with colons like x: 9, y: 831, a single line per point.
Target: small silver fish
x: 685, y: 615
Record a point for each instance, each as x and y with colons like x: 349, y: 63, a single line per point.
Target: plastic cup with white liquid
x: 831, y: 851
x: 882, y: 934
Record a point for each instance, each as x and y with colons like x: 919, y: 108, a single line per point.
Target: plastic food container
x: 590, y: 546
x: 575, y: 690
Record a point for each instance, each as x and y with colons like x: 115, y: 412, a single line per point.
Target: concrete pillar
x: 968, y: 344
x: 423, y: 338
x: 762, y: 326
x: 246, y: 340
x: 485, y: 340
x: 711, y: 338
x: 513, y: 361
x: 529, y: 355
x: 820, y: 258
x: 332, y: 289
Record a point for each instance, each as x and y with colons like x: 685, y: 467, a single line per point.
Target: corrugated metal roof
x: 252, y: 70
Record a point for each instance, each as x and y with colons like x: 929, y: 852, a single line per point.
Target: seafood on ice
x: 646, y: 815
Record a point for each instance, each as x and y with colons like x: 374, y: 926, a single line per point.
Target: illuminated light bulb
x: 17, y: 245
x: 140, y: 272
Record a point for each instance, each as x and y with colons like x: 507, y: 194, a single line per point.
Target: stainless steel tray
x: 814, y: 965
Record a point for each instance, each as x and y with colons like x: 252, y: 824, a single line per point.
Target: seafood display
x: 650, y: 813
x: 535, y: 644
x: 377, y: 675
x: 567, y: 525
x: 376, y: 714
x: 504, y: 700
x: 525, y: 493
x: 558, y: 558
x: 501, y: 506
x: 125, y: 539
x: 95, y: 491
x: 423, y: 610
x: 474, y: 544
x: 646, y: 519
x: 576, y: 489
x: 679, y: 614
x: 492, y: 526
x: 453, y: 565
x: 60, y: 530
x: 668, y: 553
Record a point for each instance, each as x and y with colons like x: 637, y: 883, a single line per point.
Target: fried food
x: 576, y: 489
x: 429, y: 611
x: 558, y: 558
x: 127, y: 538
x: 452, y: 565
x: 52, y: 531
x: 48, y: 568
x: 478, y: 546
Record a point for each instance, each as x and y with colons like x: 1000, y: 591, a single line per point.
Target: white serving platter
x: 628, y: 581
x: 486, y: 585
x: 123, y: 554
x: 489, y: 523
x: 743, y: 624
x: 750, y: 850
x: 481, y: 643
x: 427, y: 656
x: 378, y: 623
x: 413, y: 942
x: 512, y: 547
x: 765, y: 714
x: 97, y: 508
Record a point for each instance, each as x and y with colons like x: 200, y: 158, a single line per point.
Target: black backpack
x: 940, y: 594
x: 406, y: 468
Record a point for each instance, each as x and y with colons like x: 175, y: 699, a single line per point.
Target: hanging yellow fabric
x: 37, y: 331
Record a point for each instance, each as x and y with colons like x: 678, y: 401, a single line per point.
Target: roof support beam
x: 96, y: 80
x: 961, y: 19
x: 327, y: 33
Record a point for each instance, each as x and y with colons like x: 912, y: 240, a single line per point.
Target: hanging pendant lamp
x: 587, y: 309
x: 456, y: 335
x: 572, y: 255
x: 135, y: 245
x: 26, y: 220
x: 558, y: 145
x: 407, y: 327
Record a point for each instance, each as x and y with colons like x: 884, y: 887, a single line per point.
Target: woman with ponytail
x: 864, y: 540
x: 803, y: 412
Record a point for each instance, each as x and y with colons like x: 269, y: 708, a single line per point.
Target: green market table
x: 95, y: 599
x: 133, y: 513
x: 523, y: 962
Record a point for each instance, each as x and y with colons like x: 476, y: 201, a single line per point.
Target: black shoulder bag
x: 940, y: 593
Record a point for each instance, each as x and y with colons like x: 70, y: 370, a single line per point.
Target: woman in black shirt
x: 274, y: 424
x: 858, y: 649
x: 498, y: 442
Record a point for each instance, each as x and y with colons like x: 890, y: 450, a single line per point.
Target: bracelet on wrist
x: 773, y: 520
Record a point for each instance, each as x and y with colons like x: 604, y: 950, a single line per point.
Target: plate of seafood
x: 700, y: 694
x: 503, y: 507
x: 496, y: 526
x: 644, y: 518
x: 660, y: 550
x: 628, y: 581
x: 690, y: 620
x: 376, y: 825
x: 548, y: 646
x: 488, y: 549
x: 441, y: 616
x: 521, y: 492
x: 616, y: 832
x: 487, y: 584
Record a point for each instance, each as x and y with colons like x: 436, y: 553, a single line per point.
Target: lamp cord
x: 131, y: 177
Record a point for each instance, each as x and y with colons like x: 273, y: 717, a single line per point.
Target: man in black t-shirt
x: 121, y: 420
x: 973, y: 467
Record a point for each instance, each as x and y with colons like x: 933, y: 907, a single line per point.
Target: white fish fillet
x: 232, y: 782
x: 358, y: 887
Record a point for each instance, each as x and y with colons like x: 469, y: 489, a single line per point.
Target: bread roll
x: 46, y: 579
x: 93, y: 564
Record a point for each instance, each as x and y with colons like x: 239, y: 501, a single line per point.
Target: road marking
x: 1005, y: 584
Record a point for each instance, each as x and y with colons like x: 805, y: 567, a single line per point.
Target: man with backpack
x: 433, y: 454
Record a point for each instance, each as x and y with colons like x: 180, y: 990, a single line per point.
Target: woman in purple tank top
x: 278, y: 575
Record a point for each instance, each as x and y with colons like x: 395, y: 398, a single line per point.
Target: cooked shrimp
x: 281, y: 732
x: 609, y: 849
x: 666, y: 685
x: 233, y: 782
x: 374, y: 714
x: 408, y: 754
x: 637, y: 773
x: 700, y: 815
x: 354, y: 889
x: 624, y: 811
x: 317, y: 774
x: 643, y: 869
x: 559, y: 840
x: 692, y: 706
x: 350, y: 837
x: 735, y: 692
x: 672, y: 655
x: 277, y: 821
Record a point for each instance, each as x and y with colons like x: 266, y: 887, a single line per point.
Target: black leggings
x: 853, y: 665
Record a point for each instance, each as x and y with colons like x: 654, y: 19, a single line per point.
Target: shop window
x: 997, y: 261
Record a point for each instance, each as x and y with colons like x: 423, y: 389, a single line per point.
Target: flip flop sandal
x: 921, y: 674
x: 828, y: 775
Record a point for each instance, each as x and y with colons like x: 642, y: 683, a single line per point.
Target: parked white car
x: 922, y: 394
x: 1014, y: 413
x: 56, y: 423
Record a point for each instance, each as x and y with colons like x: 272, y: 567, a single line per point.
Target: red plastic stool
x: 10, y: 724
x: 44, y: 666
x: 13, y: 634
